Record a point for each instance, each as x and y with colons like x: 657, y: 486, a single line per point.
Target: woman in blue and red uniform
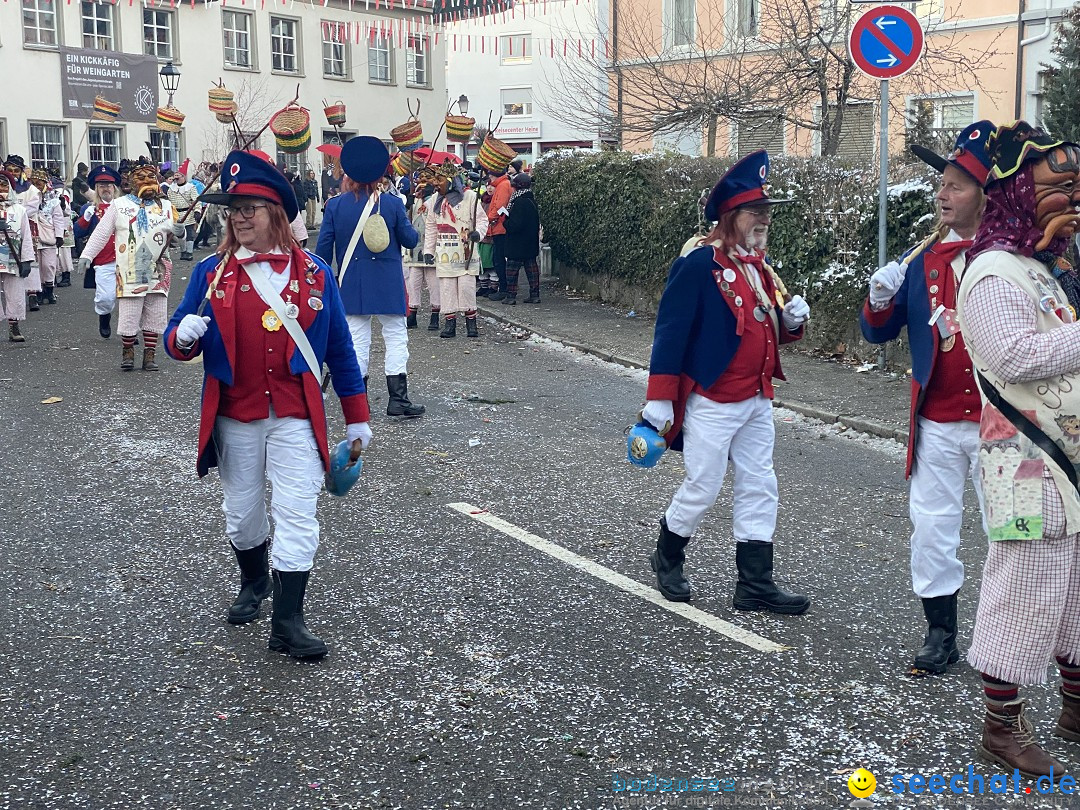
x: 714, y: 356
x: 262, y: 404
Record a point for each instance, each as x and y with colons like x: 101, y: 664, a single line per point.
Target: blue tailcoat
x: 697, y: 334
x: 326, y: 330
x: 375, y: 283
x: 911, y: 308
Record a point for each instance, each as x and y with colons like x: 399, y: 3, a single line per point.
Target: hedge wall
x: 627, y: 215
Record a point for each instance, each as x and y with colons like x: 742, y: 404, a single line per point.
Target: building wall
x: 490, y: 80
x: 33, y: 86
x: 989, y: 25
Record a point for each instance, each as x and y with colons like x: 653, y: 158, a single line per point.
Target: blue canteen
x: 343, y: 474
x: 644, y: 445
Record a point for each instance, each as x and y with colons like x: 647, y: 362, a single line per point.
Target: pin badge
x: 738, y: 300
x: 245, y: 288
x: 934, y: 288
x: 729, y: 275
x: 933, y: 275
x: 294, y: 285
x: 315, y: 303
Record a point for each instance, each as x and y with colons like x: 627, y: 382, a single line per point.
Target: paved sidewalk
x: 872, y: 401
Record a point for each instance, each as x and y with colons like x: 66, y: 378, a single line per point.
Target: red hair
x: 724, y: 231
x: 280, y: 231
x: 348, y: 184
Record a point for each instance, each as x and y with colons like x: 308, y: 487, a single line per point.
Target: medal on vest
x: 948, y: 343
x: 291, y: 310
x: 315, y: 303
x: 760, y: 313
x: 270, y: 321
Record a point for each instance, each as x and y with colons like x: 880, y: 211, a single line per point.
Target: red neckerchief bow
x: 949, y: 250
x: 278, y: 261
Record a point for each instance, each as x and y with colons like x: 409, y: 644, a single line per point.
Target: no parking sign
x: 886, y: 42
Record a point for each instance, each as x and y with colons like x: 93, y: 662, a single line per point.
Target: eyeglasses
x: 245, y: 211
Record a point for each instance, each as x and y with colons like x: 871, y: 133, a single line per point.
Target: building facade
x: 510, y: 65
x: 372, y: 60
x: 1008, y: 41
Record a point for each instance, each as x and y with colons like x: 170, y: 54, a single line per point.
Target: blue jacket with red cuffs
x: 911, y: 307
x: 698, y: 331
x: 326, y: 330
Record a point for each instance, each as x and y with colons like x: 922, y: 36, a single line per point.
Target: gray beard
x: 755, y: 242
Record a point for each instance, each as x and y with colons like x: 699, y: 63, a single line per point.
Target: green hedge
x: 627, y: 215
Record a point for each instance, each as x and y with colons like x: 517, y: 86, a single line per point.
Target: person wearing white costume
x: 16, y: 254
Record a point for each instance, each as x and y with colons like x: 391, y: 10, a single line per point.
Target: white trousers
x: 713, y: 433
x: 14, y: 297
x: 395, y: 336
x: 49, y: 262
x: 946, y: 454
x: 284, y: 451
x: 105, y: 288
x: 65, y: 260
x: 415, y: 279
x: 33, y: 281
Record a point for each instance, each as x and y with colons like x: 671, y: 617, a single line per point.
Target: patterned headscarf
x: 1010, y: 222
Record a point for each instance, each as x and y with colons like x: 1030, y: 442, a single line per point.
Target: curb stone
x: 868, y: 426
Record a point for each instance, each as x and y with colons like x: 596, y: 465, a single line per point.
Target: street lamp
x: 170, y: 79
x: 463, y: 104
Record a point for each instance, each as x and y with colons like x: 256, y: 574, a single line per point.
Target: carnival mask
x: 146, y: 182
x: 5, y: 189
x: 39, y: 179
x: 1057, y: 193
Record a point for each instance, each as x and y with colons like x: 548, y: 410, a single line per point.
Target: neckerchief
x: 140, y: 218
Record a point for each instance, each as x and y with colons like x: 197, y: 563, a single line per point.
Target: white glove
x: 191, y: 328
x: 178, y: 230
x: 88, y: 214
x: 660, y: 414
x: 358, y: 430
x: 84, y: 265
x: 796, y: 313
x: 885, y: 283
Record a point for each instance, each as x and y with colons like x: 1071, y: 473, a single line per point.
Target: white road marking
x: 649, y: 594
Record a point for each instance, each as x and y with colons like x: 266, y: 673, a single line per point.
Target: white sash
x: 273, y: 300
x: 357, y: 233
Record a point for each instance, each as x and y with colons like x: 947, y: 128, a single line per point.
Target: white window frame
x: 517, y: 57
x: 377, y: 46
x: 102, y: 152
x: 295, y: 162
x: 151, y: 45
x: 239, y: 36
x: 502, y: 104
x: 335, y: 50
x: 679, y: 35
x: 165, y: 146
x: 37, y: 11
x: 749, y: 17
x: 46, y: 144
x: 418, y: 49
x: 102, y: 14
x: 282, y: 56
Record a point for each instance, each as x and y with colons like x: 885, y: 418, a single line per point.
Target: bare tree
x: 715, y: 62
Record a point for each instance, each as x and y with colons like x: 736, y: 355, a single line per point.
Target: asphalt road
x: 467, y: 668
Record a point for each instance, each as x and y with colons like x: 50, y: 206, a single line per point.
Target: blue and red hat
x: 364, y: 159
x: 971, y: 154
x: 742, y: 184
x: 103, y: 174
x: 244, y: 174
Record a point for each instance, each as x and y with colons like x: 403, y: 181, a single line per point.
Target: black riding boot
x: 32, y: 302
x: 48, y: 294
x: 433, y: 323
x: 756, y: 589
x: 449, y: 329
x: 470, y: 327
x: 399, y: 405
x: 667, y: 562
x: 65, y: 279
x: 255, y: 583
x: 410, y: 319
x: 939, y: 648
x: 104, y: 324
x: 288, y: 633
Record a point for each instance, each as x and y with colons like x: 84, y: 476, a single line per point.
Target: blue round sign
x: 886, y: 42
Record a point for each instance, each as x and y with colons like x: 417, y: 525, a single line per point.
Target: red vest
x: 107, y: 255
x: 754, y: 364
x: 261, y: 375
x: 951, y: 394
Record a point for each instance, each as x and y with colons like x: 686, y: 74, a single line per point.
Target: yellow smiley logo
x: 861, y: 783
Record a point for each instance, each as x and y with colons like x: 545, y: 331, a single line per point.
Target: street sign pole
x: 883, y: 191
x: 884, y: 43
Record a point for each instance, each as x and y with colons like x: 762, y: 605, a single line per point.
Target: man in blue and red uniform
x: 105, y: 181
x: 919, y: 292
x: 714, y: 356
